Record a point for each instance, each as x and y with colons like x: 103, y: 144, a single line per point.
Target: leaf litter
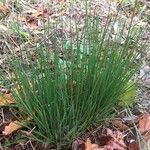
x: 6, y: 99
x: 115, y: 142
x: 4, y: 8
x: 14, y: 126
x: 144, y: 126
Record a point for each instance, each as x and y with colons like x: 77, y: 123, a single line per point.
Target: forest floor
x: 130, y: 128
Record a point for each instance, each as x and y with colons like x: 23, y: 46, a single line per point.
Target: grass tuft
x: 66, y: 95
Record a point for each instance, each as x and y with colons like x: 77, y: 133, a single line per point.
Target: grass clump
x: 64, y: 96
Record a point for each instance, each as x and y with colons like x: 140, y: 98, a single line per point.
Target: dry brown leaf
x: 117, y: 142
x: 111, y: 146
x: 104, y: 140
x: 133, y: 146
x: 88, y: 144
x: 95, y: 147
x: 13, y: 126
x: 144, y: 123
x: 4, y: 9
x: 33, y: 22
x: 37, y: 12
x: 120, y: 125
x: 147, y: 137
x: 21, y: 18
x: 6, y: 99
x: 41, y: 11
x: 30, y: 11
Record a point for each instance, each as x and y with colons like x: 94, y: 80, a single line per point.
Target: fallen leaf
x: 144, y: 123
x: 117, y: 142
x: 43, y: 12
x: 21, y: 18
x: 6, y: 99
x: 113, y: 146
x: 133, y: 146
x: 30, y: 12
x: 120, y: 125
x: 14, y: 126
x: 147, y: 137
x: 33, y: 22
x: 4, y: 9
x: 104, y: 140
x: 130, y: 14
x: 88, y: 144
x: 38, y: 12
x: 95, y: 147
